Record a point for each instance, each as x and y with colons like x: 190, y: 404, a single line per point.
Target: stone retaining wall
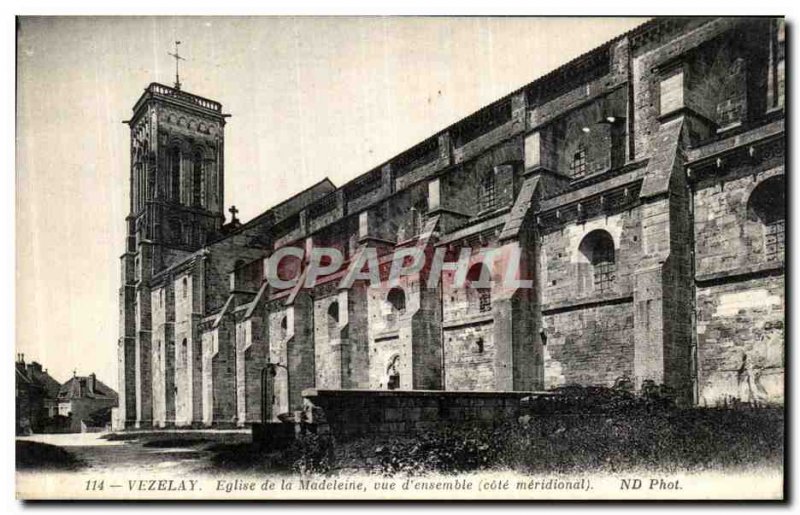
x: 346, y: 413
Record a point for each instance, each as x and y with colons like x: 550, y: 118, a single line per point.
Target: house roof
x: 22, y: 376
x: 78, y: 387
x: 50, y: 385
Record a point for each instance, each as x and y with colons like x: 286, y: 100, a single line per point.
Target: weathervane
x: 178, y: 58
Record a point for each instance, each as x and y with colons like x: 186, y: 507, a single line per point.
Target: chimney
x: 20, y: 364
x: 92, y: 382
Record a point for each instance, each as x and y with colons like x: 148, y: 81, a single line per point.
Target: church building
x: 642, y: 183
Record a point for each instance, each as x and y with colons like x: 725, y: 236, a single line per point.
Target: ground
x: 183, y: 452
x: 665, y: 439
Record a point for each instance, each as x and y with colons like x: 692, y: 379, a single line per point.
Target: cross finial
x: 233, y: 212
x: 178, y: 58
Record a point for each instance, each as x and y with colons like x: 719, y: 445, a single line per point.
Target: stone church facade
x: 642, y: 183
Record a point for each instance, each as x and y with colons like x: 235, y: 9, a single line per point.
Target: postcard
x: 400, y: 258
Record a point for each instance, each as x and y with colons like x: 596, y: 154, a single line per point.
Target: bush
x: 681, y: 439
x: 42, y: 456
x: 665, y: 440
x: 575, y: 399
x: 312, y: 454
x: 448, y: 450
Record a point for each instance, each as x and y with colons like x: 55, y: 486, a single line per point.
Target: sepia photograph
x: 400, y: 258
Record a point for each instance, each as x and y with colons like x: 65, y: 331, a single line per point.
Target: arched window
x: 185, y: 286
x: 486, y: 195
x: 396, y: 300
x: 418, y: 211
x: 197, y: 179
x: 284, y: 327
x: 577, y: 166
x: 393, y: 373
x: 150, y: 176
x: 333, y: 316
x: 137, y: 179
x: 178, y: 227
x: 479, y: 288
x: 175, y: 174
x: 598, y: 248
x: 767, y: 205
x: 196, y: 240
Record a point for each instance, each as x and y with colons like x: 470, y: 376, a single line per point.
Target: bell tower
x: 176, y: 206
x: 177, y: 143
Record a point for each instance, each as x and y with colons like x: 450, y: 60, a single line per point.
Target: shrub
x: 447, y: 450
x: 662, y: 440
x: 312, y: 454
x: 42, y: 456
x: 575, y: 399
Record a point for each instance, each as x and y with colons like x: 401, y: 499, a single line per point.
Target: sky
x: 309, y: 97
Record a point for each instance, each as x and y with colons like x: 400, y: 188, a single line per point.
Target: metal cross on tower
x: 178, y: 58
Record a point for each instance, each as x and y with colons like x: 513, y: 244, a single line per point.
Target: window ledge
x: 386, y: 335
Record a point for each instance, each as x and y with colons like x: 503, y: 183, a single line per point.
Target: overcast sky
x: 309, y: 98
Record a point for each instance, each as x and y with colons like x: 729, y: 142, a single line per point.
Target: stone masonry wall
x: 566, y: 276
x: 589, y: 346
x: 726, y: 239
x: 218, y: 369
x: 252, y: 349
x: 163, y: 352
x: 646, y: 75
x: 281, y: 331
x: 390, y: 336
x: 735, y: 320
x: 330, y: 336
x: 740, y: 294
x: 358, y: 337
x: 349, y: 413
x: 469, y: 350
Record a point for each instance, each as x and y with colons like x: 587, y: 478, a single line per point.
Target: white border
x: 341, y: 7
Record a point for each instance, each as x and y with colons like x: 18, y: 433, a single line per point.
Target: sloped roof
x: 22, y: 376
x: 50, y: 385
x: 78, y: 388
